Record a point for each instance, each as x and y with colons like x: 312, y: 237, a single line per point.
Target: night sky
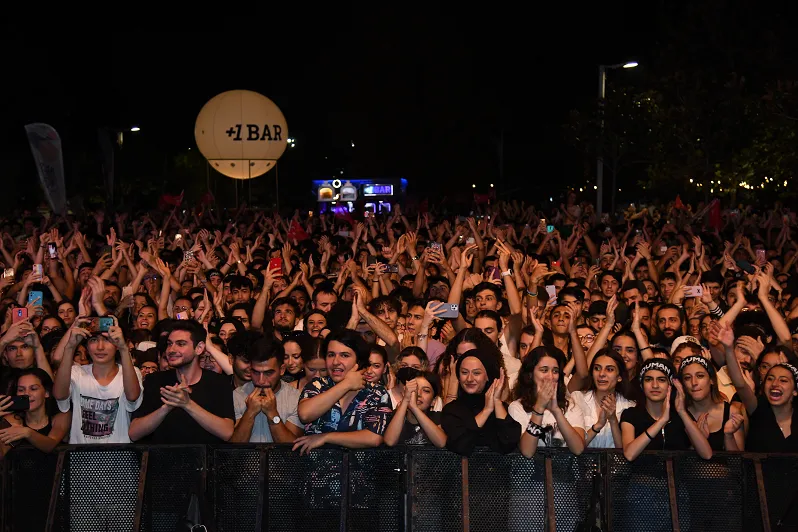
x: 423, y: 94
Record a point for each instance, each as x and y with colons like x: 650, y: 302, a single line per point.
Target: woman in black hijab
x: 478, y: 417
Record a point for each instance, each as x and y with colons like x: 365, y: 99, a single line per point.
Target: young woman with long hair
x: 545, y: 415
x: 718, y: 420
x: 605, y: 400
x: 42, y: 425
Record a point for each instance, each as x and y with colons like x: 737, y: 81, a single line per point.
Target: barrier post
x: 466, y: 508
x: 672, y: 494
x: 59, y: 470
x: 262, y: 514
x: 344, y: 526
x: 145, y: 459
x: 763, y: 498
x: 551, y: 517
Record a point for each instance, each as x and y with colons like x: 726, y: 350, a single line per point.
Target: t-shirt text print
x: 98, y: 416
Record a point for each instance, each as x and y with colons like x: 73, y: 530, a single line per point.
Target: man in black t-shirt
x: 185, y: 404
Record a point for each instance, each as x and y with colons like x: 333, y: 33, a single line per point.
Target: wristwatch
x: 276, y: 420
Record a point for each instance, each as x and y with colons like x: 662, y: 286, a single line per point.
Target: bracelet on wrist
x: 535, y: 430
x: 593, y: 428
x: 531, y: 294
x: 647, y: 434
x: 644, y: 348
x: 538, y: 413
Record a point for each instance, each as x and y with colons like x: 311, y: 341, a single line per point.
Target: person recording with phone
x: 30, y: 415
x: 22, y: 350
x: 102, y: 394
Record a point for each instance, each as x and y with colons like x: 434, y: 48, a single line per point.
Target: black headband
x: 658, y: 365
x: 790, y: 367
x: 694, y: 359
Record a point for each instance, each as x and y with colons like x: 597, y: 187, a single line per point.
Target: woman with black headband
x: 478, y: 417
x: 771, y: 415
x: 650, y: 425
x: 721, y: 422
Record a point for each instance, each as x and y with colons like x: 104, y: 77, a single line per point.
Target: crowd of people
x: 509, y: 328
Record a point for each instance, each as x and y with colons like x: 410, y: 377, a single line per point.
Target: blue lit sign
x: 378, y: 190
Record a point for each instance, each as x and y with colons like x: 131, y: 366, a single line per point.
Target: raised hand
x: 703, y: 424
x: 734, y: 423
x: 680, y: 402
x: 354, y: 380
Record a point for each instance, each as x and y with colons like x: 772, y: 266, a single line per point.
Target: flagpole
x: 277, y: 185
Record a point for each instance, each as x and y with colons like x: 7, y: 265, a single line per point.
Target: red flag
x: 207, y: 198
x: 170, y: 200
x: 480, y: 199
x: 342, y: 213
x: 295, y: 232
x: 678, y: 203
x: 714, y: 215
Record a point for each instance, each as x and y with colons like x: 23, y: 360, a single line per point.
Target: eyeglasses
x: 588, y: 337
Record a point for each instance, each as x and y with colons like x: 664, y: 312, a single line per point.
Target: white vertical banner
x: 46, y: 147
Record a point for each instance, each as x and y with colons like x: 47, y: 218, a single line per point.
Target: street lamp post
x: 600, y: 156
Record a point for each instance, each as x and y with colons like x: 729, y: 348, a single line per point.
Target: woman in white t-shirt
x: 546, y: 415
x: 605, y: 400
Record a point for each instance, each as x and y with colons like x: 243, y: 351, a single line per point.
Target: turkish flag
x: 342, y: 213
x: 295, y: 232
x: 678, y: 203
x: 170, y: 200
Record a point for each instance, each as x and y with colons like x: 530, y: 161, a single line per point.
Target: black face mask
x: 407, y: 374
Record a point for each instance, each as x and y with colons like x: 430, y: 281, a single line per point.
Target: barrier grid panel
x: 706, y: 485
x: 780, y: 474
x: 31, y: 483
x: 174, y: 474
x: 98, y: 490
x: 639, y: 493
x: 304, y: 492
x: 236, y: 488
x: 376, y: 490
x: 437, y: 493
x: 573, y: 487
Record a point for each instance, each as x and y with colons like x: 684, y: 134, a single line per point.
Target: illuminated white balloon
x: 241, y: 133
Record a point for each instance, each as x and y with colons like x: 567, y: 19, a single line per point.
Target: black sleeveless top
x: 764, y: 434
x: 45, y: 430
x: 716, y: 439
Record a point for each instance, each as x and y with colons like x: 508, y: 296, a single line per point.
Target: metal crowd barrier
x: 253, y: 488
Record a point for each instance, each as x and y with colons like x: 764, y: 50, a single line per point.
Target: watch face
x: 276, y: 420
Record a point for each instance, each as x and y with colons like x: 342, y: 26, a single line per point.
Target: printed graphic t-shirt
x: 100, y: 414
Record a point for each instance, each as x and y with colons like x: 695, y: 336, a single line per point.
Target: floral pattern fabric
x: 369, y: 410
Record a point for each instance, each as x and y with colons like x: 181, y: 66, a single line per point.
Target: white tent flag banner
x: 46, y: 147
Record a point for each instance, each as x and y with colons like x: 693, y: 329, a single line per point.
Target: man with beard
x: 670, y: 322
x: 188, y: 404
x: 265, y: 408
x: 105, y: 295
x: 284, y: 314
